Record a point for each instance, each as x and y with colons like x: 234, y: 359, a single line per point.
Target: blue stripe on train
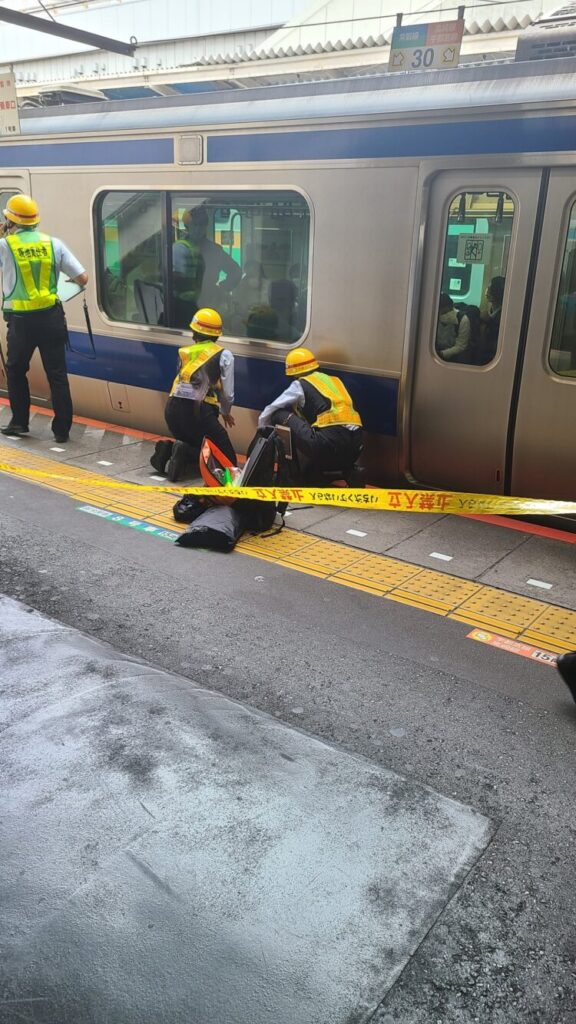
x: 145, y: 364
x: 88, y: 154
x: 506, y: 135
x: 509, y: 135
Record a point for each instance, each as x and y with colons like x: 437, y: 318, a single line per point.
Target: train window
x: 474, y: 276
x: 130, y: 248
x: 162, y: 256
x: 562, y: 355
x: 5, y: 196
x: 245, y: 254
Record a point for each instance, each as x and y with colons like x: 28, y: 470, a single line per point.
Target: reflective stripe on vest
x: 192, y: 359
x: 341, y: 411
x: 35, y: 286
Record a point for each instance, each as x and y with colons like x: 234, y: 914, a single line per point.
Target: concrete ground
x: 395, y: 685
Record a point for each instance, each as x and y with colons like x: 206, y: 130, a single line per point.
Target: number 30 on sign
x: 418, y: 47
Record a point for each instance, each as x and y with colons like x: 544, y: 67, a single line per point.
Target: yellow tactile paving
x: 544, y: 625
x: 556, y: 623
x: 286, y: 543
x: 438, y: 590
x: 492, y: 607
x: 382, y: 574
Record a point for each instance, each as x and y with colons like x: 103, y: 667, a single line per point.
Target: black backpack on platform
x: 265, y: 467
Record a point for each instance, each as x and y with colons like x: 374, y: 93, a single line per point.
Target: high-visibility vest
x: 192, y: 359
x: 36, y: 285
x: 341, y: 411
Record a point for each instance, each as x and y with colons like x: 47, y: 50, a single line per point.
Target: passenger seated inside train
x: 326, y: 430
x: 453, y: 330
x: 491, y: 319
x: 282, y: 296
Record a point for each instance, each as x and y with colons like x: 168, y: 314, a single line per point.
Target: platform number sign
x: 419, y: 47
x: 9, y: 120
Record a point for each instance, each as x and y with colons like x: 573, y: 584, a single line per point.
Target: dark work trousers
x: 46, y: 331
x: 323, y: 448
x: 192, y: 421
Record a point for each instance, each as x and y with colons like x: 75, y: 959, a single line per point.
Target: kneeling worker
x: 202, y: 389
x: 326, y: 429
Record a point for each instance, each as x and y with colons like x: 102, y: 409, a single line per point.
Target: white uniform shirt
x: 197, y: 388
x: 65, y: 261
x: 292, y: 398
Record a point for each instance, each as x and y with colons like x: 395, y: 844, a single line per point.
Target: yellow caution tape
x: 376, y: 498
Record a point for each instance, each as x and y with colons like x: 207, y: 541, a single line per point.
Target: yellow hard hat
x: 207, y: 321
x: 300, y: 361
x: 23, y: 210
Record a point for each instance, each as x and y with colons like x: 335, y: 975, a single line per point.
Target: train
x: 338, y: 212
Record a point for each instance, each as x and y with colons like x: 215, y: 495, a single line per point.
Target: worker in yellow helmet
x: 203, y: 389
x: 30, y: 263
x: 326, y: 429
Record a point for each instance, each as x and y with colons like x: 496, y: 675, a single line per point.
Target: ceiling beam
x: 53, y: 28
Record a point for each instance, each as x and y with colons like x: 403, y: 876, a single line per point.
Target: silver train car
x: 334, y: 215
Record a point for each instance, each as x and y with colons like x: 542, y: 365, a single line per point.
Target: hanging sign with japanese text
x: 420, y: 47
x: 9, y: 120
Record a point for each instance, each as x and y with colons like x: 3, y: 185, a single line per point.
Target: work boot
x: 162, y: 453
x: 566, y: 665
x: 177, y: 461
x: 14, y: 430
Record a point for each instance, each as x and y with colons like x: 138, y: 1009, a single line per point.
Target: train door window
x: 5, y: 196
x: 130, y: 249
x: 246, y: 255
x: 474, y: 277
x: 562, y: 354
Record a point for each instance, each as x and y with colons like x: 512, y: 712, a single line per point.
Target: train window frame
x: 464, y: 190
x: 568, y: 225
x: 215, y: 198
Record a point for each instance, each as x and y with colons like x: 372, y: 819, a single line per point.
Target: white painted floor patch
x: 57, y: 449
x: 311, y: 875
x: 540, y: 583
x: 356, y: 533
x: 162, y: 479
x: 102, y: 462
x: 440, y: 556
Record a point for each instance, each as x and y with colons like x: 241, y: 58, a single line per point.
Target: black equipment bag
x: 189, y: 507
x: 265, y: 467
x: 218, y: 528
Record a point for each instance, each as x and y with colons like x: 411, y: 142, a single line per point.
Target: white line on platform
x: 356, y: 533
x: 102, y: 462
x: 539, y: 583
x: 57, y: 449
x: 443, y: 558
x: 162, y: 479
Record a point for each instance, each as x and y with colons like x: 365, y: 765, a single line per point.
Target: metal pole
x: 65, y: 32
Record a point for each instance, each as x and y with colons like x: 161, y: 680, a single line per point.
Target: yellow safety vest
x: 192, y: 359
x: 341, y: 411
x: 36, y: 286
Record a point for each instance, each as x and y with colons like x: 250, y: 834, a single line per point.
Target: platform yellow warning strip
x: 547, y: 626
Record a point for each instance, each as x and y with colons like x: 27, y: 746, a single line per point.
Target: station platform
x: 286, y: 784
x: 510, y: 580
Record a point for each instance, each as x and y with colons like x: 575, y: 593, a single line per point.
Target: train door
x: 479, y: 238
x: 10, y: 182
x: 543, y: 458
